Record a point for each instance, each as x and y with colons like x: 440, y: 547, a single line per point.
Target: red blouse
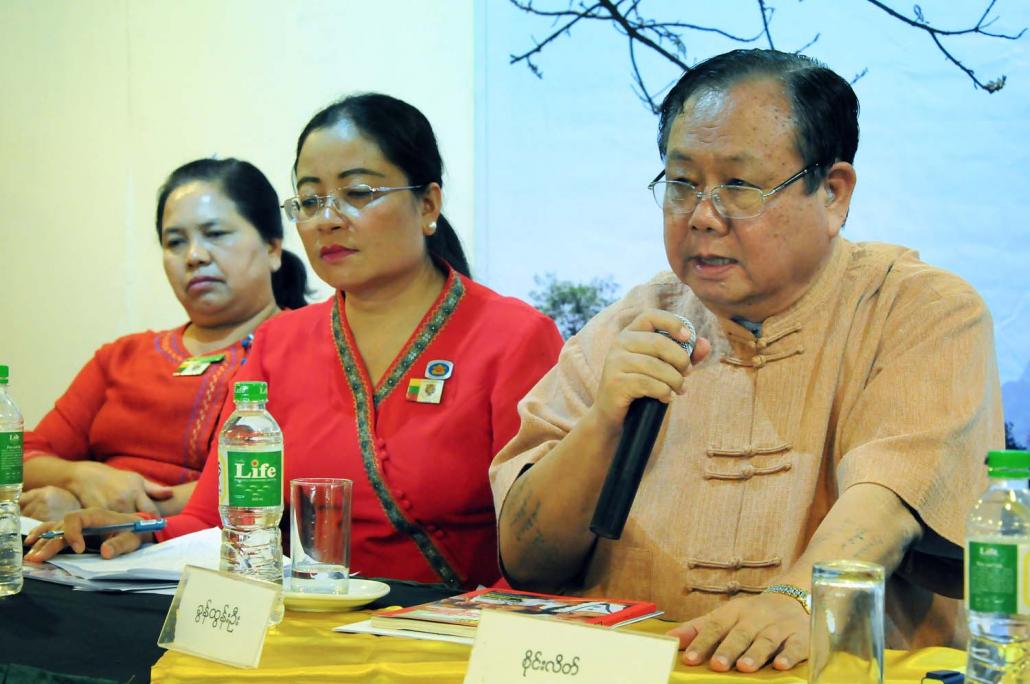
x: 422, y: 508
x: 126, y: 409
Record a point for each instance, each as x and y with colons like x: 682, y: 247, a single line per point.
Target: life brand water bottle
x: 997, y: 581
x: 250, y: 489
x: 12, y: 430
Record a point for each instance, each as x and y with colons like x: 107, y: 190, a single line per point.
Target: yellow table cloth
x: 303, y: 648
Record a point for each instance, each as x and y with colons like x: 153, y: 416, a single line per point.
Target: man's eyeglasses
x: 347, y: 201
x: 731, y: 201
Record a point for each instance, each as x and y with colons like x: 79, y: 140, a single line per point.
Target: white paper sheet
x: 365, y: 627
x: 154, y: 568
x: 151, y: 562
x: 27, y: 524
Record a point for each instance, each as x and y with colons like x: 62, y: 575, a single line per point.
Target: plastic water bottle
x: 12, y: 430
x: 250, y: 489
x: 997, y: 582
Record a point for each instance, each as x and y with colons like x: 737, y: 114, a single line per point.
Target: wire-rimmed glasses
x: 348, y: 201
x: 731, y: 201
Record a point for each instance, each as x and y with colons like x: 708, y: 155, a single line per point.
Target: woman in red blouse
x: 133, y: 430
x: 349, y: 378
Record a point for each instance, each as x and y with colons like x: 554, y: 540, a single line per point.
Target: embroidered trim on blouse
x: 213, y: 394
x: 210, y: 395
x: 363, y: 419
x: 433, y: 322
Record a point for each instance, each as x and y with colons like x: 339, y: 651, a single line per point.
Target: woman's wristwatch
x: 796, y: 593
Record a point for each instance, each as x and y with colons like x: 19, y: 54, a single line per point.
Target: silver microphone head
x: 688, y: 346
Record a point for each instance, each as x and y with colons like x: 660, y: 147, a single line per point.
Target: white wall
x: 99, y: 101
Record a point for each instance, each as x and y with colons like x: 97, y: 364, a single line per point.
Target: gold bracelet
x: 796, y: 593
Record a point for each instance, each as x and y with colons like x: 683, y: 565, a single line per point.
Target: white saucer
x: 360, y: 592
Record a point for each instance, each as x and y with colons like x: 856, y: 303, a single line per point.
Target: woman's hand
x: 48, y: 503
x: 641, y: 363
x: 98, y: 485
x: 747, y: 633
x: 115, y: 544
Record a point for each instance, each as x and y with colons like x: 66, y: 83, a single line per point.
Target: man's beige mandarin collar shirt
x: 883, y: 372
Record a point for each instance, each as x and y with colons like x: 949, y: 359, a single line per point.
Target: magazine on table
x: 459, y: 615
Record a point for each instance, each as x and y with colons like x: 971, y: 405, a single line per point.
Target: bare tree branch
x: 703, y: 29
x: 528, y: 56
x: 766, y: 18
x: 527, y: 6
x: 991, y: 86
x: 641, y: 88
x: 920, y: 22
x: 808, y: 44
x: 666, y: 38
x: 634, y: 34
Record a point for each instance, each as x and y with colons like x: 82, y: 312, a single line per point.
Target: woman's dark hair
x: 256, y: 201
x: 406, y: 139
x: 824, y: 105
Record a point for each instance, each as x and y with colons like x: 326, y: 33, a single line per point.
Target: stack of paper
x: 153, y: 568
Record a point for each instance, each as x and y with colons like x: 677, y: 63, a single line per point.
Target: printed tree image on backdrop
x: 571, y: 305
x: 666, y: 37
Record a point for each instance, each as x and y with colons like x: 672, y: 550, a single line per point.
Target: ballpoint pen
x: 137, y: 526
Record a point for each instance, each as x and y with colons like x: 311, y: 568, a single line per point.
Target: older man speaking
x: 838, y: 404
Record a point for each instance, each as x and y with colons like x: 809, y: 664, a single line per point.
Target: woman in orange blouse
x: 134, y: 428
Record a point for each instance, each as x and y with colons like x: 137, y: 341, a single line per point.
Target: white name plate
x: 219, y: 616
x: 513, y: 648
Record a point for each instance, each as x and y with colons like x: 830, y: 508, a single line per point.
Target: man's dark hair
x: 824, y: 105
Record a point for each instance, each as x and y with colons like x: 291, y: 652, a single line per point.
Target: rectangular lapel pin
x: 425, y: 391
x: 197, y: 365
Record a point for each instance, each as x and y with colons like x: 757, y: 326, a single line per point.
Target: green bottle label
x: 250, y: 478
x: 10, y: 457
x: 996, y: 578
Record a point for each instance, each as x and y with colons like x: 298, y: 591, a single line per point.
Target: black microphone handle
x: 639, y: 431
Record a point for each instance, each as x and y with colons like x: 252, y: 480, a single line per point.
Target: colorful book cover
x: 459, y: 615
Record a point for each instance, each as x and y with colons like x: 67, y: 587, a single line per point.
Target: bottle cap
x: 250, y: 391
x: 5, y: 373
x: 1008, y: 465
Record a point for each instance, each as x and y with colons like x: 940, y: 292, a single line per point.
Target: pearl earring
x: 432, y: 227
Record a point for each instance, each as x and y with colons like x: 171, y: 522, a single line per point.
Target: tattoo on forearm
x: 524, y: 516
x: 877, y: 527
x: 542, y: 556
x: 861, y: 543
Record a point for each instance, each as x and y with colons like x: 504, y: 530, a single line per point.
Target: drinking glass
x: 847, y: 623
x: 320, y: 510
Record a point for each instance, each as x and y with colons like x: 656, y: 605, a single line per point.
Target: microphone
x: 639, y: 431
